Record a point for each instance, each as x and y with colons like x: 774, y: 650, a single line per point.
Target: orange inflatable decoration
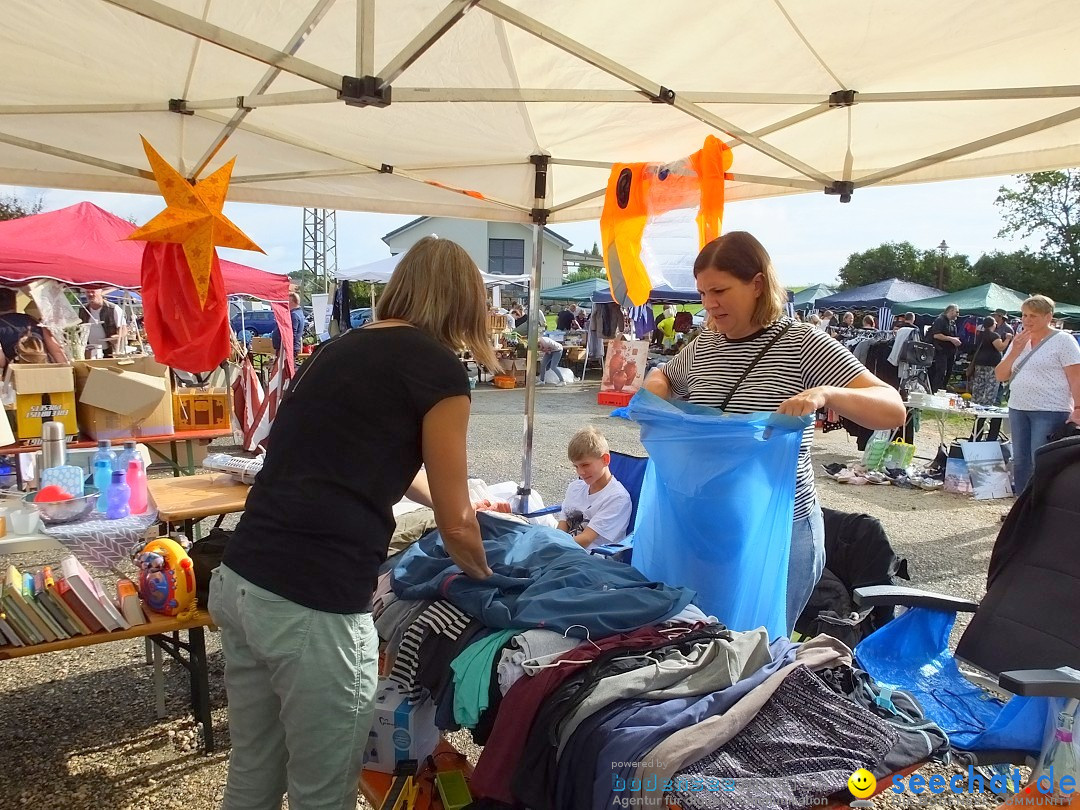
x: 639, y: 194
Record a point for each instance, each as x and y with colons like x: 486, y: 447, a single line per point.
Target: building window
x: 506, y: 257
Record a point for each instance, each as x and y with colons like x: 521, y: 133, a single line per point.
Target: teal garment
x: 472, y: 676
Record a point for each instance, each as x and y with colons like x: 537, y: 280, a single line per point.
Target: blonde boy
x: 596, y: 509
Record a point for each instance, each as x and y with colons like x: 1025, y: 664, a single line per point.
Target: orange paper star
x: 193, y: 218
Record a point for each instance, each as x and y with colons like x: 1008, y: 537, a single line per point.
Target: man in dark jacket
x: 944, y: 339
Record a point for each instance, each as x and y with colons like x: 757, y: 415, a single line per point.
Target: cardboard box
x: 399, y: 730
x: 46, y: 389
x: 124, y: 397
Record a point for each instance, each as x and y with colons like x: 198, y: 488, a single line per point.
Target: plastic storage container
x: 136, y: 481
x: 117, y: 497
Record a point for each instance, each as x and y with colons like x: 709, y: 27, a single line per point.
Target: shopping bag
x: 716, y: 507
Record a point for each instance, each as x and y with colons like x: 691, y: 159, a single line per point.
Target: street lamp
x: 944, y: 250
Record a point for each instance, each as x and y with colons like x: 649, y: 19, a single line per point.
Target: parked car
x: 255, y: 323
x: 358, y: 317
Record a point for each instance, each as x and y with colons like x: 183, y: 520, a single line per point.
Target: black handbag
x: 206, y: 555
x: 915, y: 352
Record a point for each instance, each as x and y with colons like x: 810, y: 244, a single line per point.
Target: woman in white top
x: 1042, y: 367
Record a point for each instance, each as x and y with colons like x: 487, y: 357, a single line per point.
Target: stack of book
x: 57, y: 603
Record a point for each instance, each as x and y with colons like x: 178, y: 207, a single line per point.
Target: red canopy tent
x: 86, y: 246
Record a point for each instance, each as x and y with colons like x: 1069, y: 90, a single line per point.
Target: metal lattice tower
x: 320, y: 246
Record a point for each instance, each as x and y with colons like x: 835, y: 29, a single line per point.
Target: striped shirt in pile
x: 441, y: 618
x: 805, y: 357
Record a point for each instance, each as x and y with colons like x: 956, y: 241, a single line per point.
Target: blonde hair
x: 437, y: 288
x: 587, y: 443
x: 1041, y: 304
x: 740, y: 254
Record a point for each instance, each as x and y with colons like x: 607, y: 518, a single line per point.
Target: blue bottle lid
x: 118, y: 476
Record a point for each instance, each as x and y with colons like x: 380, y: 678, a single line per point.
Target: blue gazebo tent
x: 878, y: 295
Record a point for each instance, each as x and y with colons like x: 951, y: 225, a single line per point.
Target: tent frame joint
x: 364, y: 91
x: 842, y: 98
x: 842, y: 188
x: 386, y: 168
x: 665, y: 96
x: 540, y: 216
x: 179, y: 105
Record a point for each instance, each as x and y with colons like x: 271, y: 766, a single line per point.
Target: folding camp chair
x: 1023, y: 641
x: 630, y: 472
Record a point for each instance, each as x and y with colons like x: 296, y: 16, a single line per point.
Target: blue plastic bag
x: 716, y: 507
x: 912, y: 653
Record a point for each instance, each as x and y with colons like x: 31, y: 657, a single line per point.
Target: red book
x: 72, y: 600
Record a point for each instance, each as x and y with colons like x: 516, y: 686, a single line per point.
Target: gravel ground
x: 78, y: 728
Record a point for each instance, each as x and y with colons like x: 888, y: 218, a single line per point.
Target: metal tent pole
x: 540, y: 214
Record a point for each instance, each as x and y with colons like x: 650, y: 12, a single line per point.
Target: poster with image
x: 987, y: 469
x: 624, y: 365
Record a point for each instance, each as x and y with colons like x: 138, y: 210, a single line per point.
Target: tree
x: 1047, y: 205
x: 905, y: 261
x: 13, y: 208
x: 1022, y: 271
x: 585, y: 272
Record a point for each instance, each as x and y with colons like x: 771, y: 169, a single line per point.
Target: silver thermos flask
x: 53, y: 445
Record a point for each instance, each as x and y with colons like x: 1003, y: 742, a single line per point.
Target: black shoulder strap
x: 754, y: 362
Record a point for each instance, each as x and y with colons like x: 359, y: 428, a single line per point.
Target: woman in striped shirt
x: 790, y: 367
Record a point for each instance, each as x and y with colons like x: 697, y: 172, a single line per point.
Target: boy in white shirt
x: 596, y: 509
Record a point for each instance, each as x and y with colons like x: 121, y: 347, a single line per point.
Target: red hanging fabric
x: 183, y: 334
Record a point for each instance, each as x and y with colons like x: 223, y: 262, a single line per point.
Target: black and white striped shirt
x: 805, y: 357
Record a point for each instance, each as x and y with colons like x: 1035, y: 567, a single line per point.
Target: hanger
x: 566, y: 634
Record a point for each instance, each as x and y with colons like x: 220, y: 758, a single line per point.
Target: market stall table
x: 190, y: 499
x: 995, y: 416
x: 164, y: 633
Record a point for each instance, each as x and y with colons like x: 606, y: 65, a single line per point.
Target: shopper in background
x: 292, y: 594
x: 985, y: 388
x: 299, y: 324
x: 15, y: 325
x: 108, y: 326
x: 1042, y: 367
x: 945, y: 341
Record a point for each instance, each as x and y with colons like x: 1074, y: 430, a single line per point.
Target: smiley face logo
x: 862, y: 784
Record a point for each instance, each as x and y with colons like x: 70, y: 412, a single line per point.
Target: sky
x: 809, y: 236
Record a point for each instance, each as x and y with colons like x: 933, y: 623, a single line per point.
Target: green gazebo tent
x: 578, y: 291
x: 982, y: 300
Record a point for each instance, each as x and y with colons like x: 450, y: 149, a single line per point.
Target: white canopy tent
x: 514, y: 110
x: 380, y: 271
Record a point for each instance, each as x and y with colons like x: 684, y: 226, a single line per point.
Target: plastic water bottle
x: 127, y: 455
x: 117, y: 497
x: 102, y: 479
x: 104, y: 453
x: 136, y: 481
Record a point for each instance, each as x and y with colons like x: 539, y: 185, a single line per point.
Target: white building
x: 503, y: 248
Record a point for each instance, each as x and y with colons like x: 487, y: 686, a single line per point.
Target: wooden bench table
x: 164, y: 633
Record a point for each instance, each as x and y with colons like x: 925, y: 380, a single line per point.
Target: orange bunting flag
x: 192, y: 218
x: 642, y: 241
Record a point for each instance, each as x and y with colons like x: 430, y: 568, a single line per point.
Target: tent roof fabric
x: 806, y: 297
x: 879, y: 294
x: 566, y: 243
x: 659, y: 295
x: 982, y: 300
x: 86, y: 246
x: 468, y: 100
x: 578, y: 291
x: 381, y: 270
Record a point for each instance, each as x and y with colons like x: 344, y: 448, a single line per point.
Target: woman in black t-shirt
x: 292, y: 594
x: 985, y: 389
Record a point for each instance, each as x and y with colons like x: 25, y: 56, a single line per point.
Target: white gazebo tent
x: 380, y: 271
x: 516, y: 110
